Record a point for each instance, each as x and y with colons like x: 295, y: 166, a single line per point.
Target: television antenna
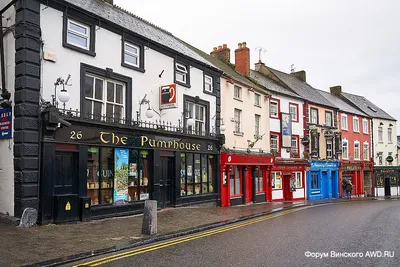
x: 292, y: 68
x: 260, y: 50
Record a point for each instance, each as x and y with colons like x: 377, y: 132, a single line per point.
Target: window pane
x: 109, y: 112
x: 107, y: 175
x: 131, y: 49
x: 98, y: 94
x: 92, y: 174
x: 180, y: 77
x: 75, y: 27
x: 237, y: 180
x: 118, y: 112
x: 87, y: 108
x: 110, y: 91
x: 183, y: 174
x: 133, y: 177
x: 119, y: 95
x: 189, y: 173
x: 97, y: 110
x: 211, y: 169
x: 130, y: 59
x: 197, y: 176
x: 204, y: 177
x: 197, y: 112
x: 89, y: 86
x: 144, y: 174
x: 77, y: 40
x: 232, y: 181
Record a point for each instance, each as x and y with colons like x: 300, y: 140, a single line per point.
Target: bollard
x: 149, y: 226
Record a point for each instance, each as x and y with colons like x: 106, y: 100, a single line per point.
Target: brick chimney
x: 223, y: 53
x: 336, y: 90
x: 300, y: 74
x: 242, y: 59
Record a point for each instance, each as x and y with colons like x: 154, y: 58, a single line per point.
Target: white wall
x: 277, y: 194
x: 108, y: 55
x: 299, y: 193
x: 7, y: 146
x: 297, y: 127
x: 384, y: 146
x: 249, y: 110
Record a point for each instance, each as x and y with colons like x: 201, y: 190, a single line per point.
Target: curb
x: 147, y: 241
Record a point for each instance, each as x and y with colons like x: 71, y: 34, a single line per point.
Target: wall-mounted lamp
x: 149, y: 112
x: 190, y: 120
x: 222, y: 128
x: 63, y: 96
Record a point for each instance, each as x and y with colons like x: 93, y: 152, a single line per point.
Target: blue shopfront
x: 323, y: 180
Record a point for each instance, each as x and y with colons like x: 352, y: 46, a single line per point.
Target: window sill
x: 210, y: 93
x: 344, y: 129
x: 257, y: 106
x: 276, y: 189
x: 183, y: 84
x: 272, y: 117
x: 366, y: 133
x: 238, y: 99
x: 78, y: 49
x: 238, y: 133
x: 139, y: 69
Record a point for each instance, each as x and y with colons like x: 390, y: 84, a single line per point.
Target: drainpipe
x: 4, y: 94
x: 373, y: 158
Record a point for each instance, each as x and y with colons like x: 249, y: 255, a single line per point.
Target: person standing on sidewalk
x: 349, y: 188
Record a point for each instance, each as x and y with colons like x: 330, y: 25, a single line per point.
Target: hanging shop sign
x: 5, y: 123
x: 286, y: 124
x: 95, y: 136
x: 168, y: 96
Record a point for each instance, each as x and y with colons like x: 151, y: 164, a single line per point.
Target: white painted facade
x: 239, y: 141
x: 108, y: 55
x: 7, y: 146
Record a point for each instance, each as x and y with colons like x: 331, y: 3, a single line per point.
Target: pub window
x: 93, y: 175
x: 235, y: 184
x: 106, y: 175
x: 314, y: 180
x: 276, y: 180
x: 379, y: 182
x: 298, y: 179
x: 196, y: 174
x: 258, y: 176
x: 104, y: 98
x: 138, y: 175
x: 393, y: 181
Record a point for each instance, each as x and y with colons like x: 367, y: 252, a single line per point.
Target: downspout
x: 5, y: 94
x: 373, y: 158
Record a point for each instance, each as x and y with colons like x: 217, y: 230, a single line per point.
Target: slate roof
x: 138, y: 25
x: 368, y: 107
x: 271, y: 85
x: 301, y: 88
x: 341, y: 104
x: 228, y: 69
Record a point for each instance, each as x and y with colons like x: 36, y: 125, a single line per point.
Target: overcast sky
x: 355, y: 44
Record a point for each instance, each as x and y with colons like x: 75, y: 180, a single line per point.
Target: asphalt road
x: 294, y: 239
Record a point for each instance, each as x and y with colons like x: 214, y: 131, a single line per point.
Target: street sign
x: 5, y: 123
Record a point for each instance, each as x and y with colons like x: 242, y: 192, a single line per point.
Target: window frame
x: 239, y: 90
x: 238, y: 127
x: 240, y: 178
x: 297, y: 138
x: 278, y: 141
x: 107, y: 74
x: 296, y: 106
x: 260, y: 183
x: 311, y: 115
x: 345, y: 141
x: 365, y: 122
x: 366, y: 154
x: 205, y: 104
x: 87, y: 23
x: 359, y: 150
x: 278, y: 104
x: 356, y: 124
x: 185, y: 70
x: 130, y: 41
x: 380, y: 134
x: 257, y: 96
x: 342, y: 124
x: 213, y: 84
x: 390, y: 135
x: 298, y: 175
x: 318, y: 183
x: 273, y: 180
x: 257, y: 126
x: 329, y: 140
x: 331, y: 121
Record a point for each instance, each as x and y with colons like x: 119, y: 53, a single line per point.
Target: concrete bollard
x: 149, y: 226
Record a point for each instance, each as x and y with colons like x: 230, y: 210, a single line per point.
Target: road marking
x: 186, y: 238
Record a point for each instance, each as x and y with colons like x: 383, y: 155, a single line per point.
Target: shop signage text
x: 351, y: 168
x: 146, y: 141
x: 323, y: 165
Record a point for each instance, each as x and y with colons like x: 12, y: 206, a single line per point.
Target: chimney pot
x: 225, y: 46
x: 214, y: 49
x: 336, y: 90
x: 244, y: 44
x: 219, y: 47
x: 223, y: 53
x: 239, y: 45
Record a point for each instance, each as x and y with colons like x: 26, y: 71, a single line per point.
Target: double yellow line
x: 183, y: 239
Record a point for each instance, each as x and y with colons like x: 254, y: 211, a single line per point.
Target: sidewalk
x: 24, y: 246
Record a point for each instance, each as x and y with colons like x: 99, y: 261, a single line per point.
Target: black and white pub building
x: 109, y: 111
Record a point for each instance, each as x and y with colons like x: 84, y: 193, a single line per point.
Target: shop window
x: 235, y: 184
x: 314, y: 180
x: 93, y: 175
x: 258, y: 176
x: 106, y: 175
x: 379, y: 182
x: 393, y: 181
x: 194, y: 177
x: 298, y: 179
x: 139, y: 175
x: 276, y: 180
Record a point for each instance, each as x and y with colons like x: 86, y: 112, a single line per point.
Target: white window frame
x: 365, y: 126
x: 344, y: 123
x: 208, y: 83
x: 296, y: 113
x: 238, y: 120
x: 296, y: 141
x: 181, y: 69
x: 274, y: 174
x: 331, y: 120
x: 298, y: 179
x: 345, y: 155
x: 257, y: 100
x: 272, y: 104
x: 192, y: 109
x: 137, y: 55
x: 257, y: 119
x: 356, y: 122
x: 277, y: 141
x: 366, y: 149
x: 380, y: 134
x: 357, y: 144
x: 329, y: 151
x: 314, y: 111
x: 390, y: 135
x: 85, y: 36
x: 104, y: 101
x: 237, y: 92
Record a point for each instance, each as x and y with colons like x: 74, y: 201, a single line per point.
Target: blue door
x: 325, y: 184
